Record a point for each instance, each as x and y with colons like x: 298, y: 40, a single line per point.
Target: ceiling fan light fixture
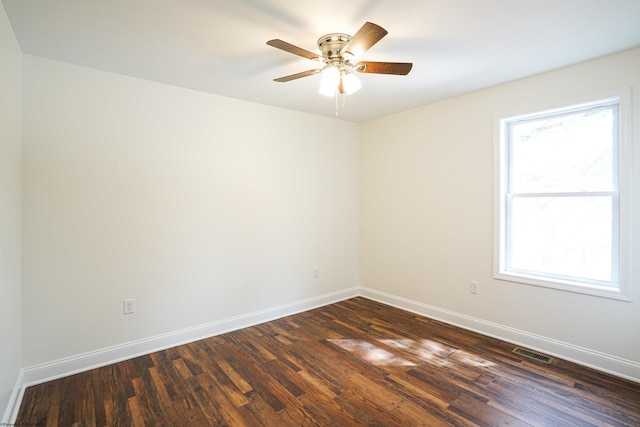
x: 330, y: 81
x: 350, y: 83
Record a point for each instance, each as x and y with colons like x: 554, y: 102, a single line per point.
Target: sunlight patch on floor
x: 371, y: 353
x: 429, y: 351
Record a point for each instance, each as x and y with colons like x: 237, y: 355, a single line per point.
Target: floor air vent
x: 533, y: 355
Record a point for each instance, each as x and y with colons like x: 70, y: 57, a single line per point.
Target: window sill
x: 565, y: 285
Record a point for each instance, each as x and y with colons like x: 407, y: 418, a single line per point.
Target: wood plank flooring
x: 353, y: 363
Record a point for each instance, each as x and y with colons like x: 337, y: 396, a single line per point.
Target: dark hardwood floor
x: 352, y: 363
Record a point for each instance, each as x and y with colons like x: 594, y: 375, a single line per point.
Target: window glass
x: 563, y: 236
x: 569, y: 152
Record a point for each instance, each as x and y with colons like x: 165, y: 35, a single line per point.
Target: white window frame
x: 622, y: 97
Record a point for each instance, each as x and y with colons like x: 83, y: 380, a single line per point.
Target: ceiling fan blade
x: 368, y: 35
x: 288, y: 47
x: 399, y: 68
x: 296, y: 76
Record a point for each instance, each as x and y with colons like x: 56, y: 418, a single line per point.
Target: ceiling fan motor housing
x: 331, y: 46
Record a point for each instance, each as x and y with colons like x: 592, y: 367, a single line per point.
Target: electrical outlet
x: 474, y: 287
x: 129, y: 306
x: 316, y: 272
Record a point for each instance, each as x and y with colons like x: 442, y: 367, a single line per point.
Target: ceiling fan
x: 337, y: 52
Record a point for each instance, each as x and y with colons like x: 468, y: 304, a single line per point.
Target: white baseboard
x: 44, y: 372
x: 11, y: 411
x: 562, y: 350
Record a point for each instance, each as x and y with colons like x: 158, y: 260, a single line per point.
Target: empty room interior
x: 158, y: 187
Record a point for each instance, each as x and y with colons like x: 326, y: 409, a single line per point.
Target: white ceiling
x: 219, y: 46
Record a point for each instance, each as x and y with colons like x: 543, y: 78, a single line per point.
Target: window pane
x: 563, y: 153
x: 566, y: 236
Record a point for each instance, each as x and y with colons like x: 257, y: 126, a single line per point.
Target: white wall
x: 427, y: 214
x: 10, y: 222
x: 200, y: 207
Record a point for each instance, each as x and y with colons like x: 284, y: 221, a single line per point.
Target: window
x: 562, y: 198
